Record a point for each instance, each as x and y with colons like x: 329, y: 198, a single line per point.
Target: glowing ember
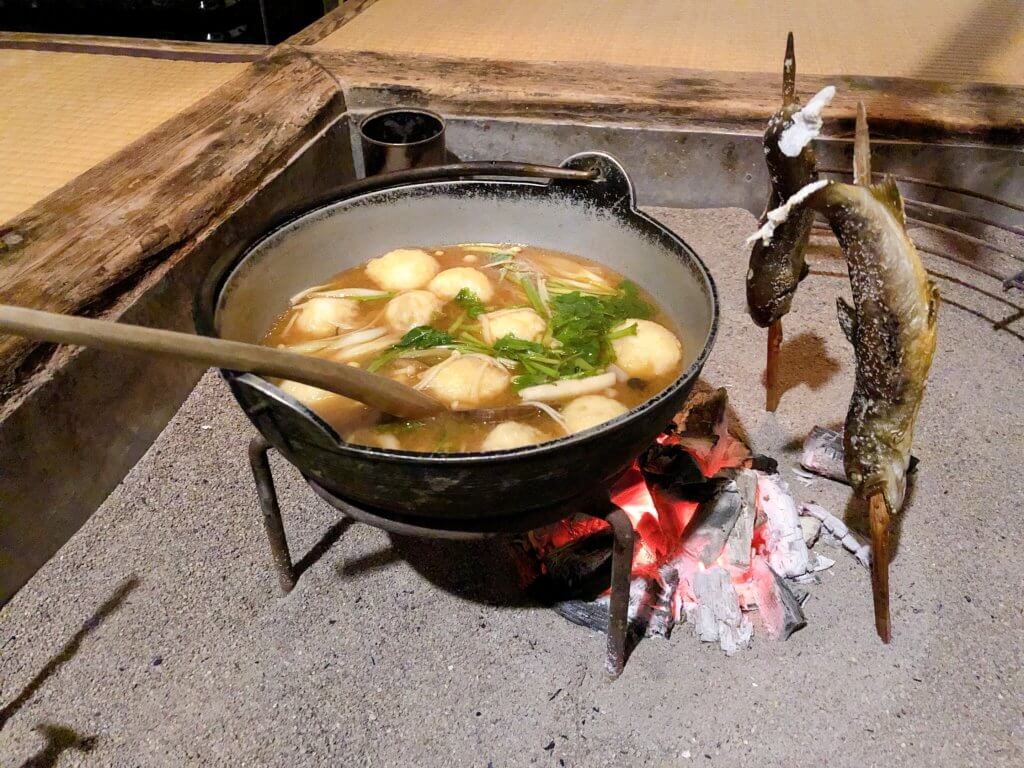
x: 714, y: 539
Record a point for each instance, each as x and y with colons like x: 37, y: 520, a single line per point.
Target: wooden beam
x: 132, y: 46
x: 330, y: 22
x: 655, y: 96
x: 83, y: 247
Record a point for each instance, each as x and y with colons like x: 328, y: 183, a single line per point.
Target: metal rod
x: 962, y: 262
x: 618, y: 610
x: 823, y: 227
x: 964, y: 214
x: 964, y: 236
x: 260, y: 463
x: 936, y: 185
x: 976, y: 289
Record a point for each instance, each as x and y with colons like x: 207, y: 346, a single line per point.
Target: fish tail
x: 789, y: 73
x: 862, y: 149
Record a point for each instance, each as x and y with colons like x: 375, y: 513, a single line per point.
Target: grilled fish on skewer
x: 776, y: 268
x: 892, y: 328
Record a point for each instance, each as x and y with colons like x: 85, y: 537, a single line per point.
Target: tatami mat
x: 63, y: 113
x: 955, y: 40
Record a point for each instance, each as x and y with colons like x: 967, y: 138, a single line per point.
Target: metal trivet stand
x: 598, y: 506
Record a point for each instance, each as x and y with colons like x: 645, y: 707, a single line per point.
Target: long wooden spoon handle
x: 377, y: 391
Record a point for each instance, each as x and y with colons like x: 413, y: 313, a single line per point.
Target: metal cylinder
x: 399, y: 139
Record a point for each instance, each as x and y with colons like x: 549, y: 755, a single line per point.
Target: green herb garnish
x: 470, y: 302
x: 420, y: 337
x: 534, y: 296
x: 424, y: 337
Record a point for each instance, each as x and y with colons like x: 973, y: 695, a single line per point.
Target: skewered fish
x: 892, y: 326
x: 777, y: 267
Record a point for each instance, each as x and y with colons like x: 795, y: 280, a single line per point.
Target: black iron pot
x: 586, y: 207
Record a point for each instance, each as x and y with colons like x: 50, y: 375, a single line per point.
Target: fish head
x: 874, y: 457
x: 777, y: 268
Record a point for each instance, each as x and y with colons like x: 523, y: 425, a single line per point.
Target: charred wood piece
x: 580, y: 569
x: 778, y: 607
x: 592, y: 614
x: 670, y: 463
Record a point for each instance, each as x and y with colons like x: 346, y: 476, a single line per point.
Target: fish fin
x: 888, y: 194
x: 847, y: 319
x: 789, y: 73
x: 933, y: 303
x: 861, y: 149
x: 805, y: 270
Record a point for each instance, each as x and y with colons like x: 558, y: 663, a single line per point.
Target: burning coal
x: 719, y: 540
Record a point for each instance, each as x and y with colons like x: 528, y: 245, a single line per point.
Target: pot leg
x: 618, y: 611
x: 258, y: 449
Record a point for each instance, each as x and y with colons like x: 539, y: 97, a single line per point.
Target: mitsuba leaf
x: 470, y: 302
x: 423, y: 337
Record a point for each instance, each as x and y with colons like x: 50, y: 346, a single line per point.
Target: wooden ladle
x: 384, y: 394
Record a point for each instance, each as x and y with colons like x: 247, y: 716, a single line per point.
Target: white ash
x: 778, y: 216
x: 716, y: 613
x: 806, y: 124
x: 787, y: 552
x: 738, y: 545
x: 839, y: 532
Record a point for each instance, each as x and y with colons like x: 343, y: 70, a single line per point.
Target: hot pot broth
x: 482, y: 325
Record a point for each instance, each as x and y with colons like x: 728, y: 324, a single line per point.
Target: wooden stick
x: 861, y: 149
x: 771, y: 376
x: 879, y: 514
x: 789, y: 72
x: 378, y: 391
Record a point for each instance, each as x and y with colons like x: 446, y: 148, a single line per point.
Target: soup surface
x: 480, y: 325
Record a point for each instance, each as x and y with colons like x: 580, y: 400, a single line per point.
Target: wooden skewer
x: 771, y: 376
x: 880, y: 516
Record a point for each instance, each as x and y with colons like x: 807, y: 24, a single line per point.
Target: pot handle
x: 613, y: 188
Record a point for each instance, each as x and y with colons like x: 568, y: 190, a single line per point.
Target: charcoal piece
x: 705, y: 536
x: 580, y: 569
x: 717, y: 614
x: 705, y: 416
x: 592, y: 614
x: 763, y: 463
x: 669, y: 463
x: 779, y: 608
x: 787, y: 553
x: 823, y: 454
x: 738, y: 545
x: 811, y: 527
x: 651, y: 608
x: 838, y: 533
x: 703, y: 413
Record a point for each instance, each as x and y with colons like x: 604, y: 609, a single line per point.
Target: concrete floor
x: 157, y: 635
